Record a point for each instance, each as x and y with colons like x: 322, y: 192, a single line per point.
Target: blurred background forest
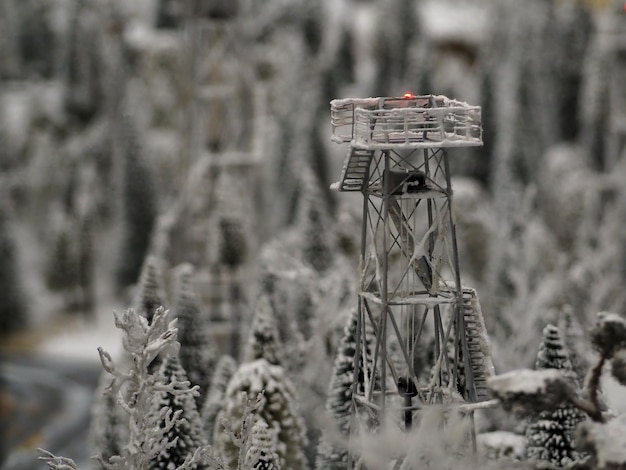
x: 198, y: 132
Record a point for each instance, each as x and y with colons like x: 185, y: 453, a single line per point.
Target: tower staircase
x: 355, y: 171
x: 480, y: 360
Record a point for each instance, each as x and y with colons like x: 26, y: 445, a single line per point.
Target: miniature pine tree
x: 314, y: 223
x: 330, y: 454
x: 261, y: 454
x: 62, y: 269
x: 150, y: 293
x: 187, y: 431
x: 277, y: 408
x: 139, y: 206
x: 233, y: 246
x: 198, y: 355
x: 238, y: 311
x: 13, y: 309
x: 224, y: 371
x: 231, y: 223
x: 550, y: 436
x: 263, y: 339
x: 84, y: 82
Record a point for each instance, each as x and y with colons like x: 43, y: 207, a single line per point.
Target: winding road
x: 44, y: 402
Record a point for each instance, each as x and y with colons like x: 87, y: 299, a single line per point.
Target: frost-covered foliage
x: 198, y: 354
x: 152, y: 429
x: 263, y: 338
x: 605, y: 442
x: 277, y: 407
x: 213, y: 403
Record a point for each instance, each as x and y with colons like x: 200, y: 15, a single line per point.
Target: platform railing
x: 425, y: 121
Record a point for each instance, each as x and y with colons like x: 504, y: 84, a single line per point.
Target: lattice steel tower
x: 427, y: 342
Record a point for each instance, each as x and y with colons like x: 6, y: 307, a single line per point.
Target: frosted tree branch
x: 56, y: 463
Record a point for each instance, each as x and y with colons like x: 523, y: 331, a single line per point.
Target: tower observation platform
x: 421, y: 336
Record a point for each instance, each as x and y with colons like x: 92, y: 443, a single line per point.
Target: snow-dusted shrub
x: 263, y: 338
x: 186, y: 434
x: 261, y: 453
x: 276, y: 405
x: 332, y: 451
x: 609, y: 333
x: 152, y: 429
x: 550, y: 433
x: 526, y: 391
x: 606, y: 442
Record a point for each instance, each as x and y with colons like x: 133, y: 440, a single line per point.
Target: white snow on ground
x: 524, y: 381
x: 81, y: 340
x: 499, y: 444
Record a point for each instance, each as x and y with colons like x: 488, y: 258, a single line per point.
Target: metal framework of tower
x: 427, y: 342
x: 223, y: 134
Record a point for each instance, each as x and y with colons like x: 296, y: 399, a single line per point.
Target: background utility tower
x: 429, y: 341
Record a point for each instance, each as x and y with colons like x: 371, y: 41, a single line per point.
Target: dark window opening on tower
x: 402, y: 181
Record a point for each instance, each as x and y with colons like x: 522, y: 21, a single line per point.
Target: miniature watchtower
x: 430, y: 342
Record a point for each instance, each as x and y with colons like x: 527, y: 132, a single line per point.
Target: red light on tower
x: 408, y: 95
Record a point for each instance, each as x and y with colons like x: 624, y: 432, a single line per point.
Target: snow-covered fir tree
x: 278, y: 407
x: 550, y: 436
x: 261, y: 453
x: 233, y: 248
x: 313, y: 222
x: 332, y: 454
x: 139, y: 206
x: 263, y: 338
x: 84, y: 80
x: 13, y: 308
x: 150, y: 293
x: 62, y: 266
x: 198, y: 354
x: 186, y: 434
x: 214, y: 400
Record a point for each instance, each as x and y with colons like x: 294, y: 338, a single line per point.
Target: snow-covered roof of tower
x: 409, y: 121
